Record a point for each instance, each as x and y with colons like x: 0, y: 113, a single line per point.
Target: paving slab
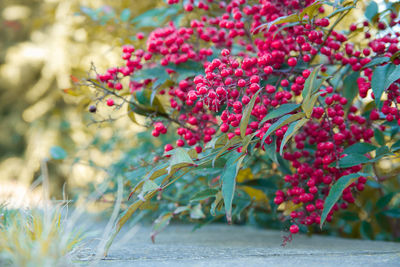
x: 224, y: 245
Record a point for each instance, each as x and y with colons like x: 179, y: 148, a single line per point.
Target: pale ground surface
x: 224, y: 245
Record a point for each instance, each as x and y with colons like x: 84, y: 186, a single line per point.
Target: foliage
x: 35, y: 237
x: 264, y: 99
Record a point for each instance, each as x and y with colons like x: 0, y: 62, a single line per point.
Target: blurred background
x: 43, y: 43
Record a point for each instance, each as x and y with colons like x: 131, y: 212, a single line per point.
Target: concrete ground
x: 224, y: 245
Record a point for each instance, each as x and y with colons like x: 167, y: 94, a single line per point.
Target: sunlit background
x: 43, y: 43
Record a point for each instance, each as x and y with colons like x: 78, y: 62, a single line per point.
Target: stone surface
x: 223, y: 245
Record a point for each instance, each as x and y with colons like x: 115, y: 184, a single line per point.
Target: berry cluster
x: 274, y: 63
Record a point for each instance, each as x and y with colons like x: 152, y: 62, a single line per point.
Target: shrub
x: 275, y: 91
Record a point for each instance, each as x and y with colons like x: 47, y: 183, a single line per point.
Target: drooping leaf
x: 160, y: 224
x: 395, y: 146
x: 280, y: 111
x: 204, y: 194
x: 232, y: 142
x: 179, y: 159
x: 149, y: 185
x: 228, y: 179
x: 281, y: 122
x: 246, y: 114
x: 377, y: 61
x: 311, y: 9
x: 308, y: 104
x: 384, y: 201
x: 350, y: 88
x: 379, y: 80
x: 280, y: 20
x: 366, y: 230
x: 360, y: 148
x: 131, y: 114
x: 217, y: 141
x: 393, y: 213
x: 352, y: 160
x: 125, y: 15
x: 379, y: 137
x: 58, y: 153
x: 336, y: 191
x: 371, y: 11
x: 310, y: 83
x: 292, y: 130
x: 125, y: 217
x: 270, y: 151
x: 393, y: 76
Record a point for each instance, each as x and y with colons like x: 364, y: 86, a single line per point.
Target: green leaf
x: 179, y: 159
x: 282, y: 110
x: 281, y: 122
x: 393, y: 76
x: 366, y: 230
x: 232, y: 142
x: 395, y: 146
x: 228, y: 179
x: 377, y: 61
x: 359, y: 148
x: 310, y: 10
x: 309, y: 85
x: 270, y: 151
x: 280, y: 20
x: 382, y: 78
x: 336, y: 191
x: 352, y: 160
x: 309, y: 104
x: 394, y: 213
x: 379, y: 137
x: 292, y: 129
x: 125, y: 15
x: 371, y: 11
x: 160, y: 223
x: 149, y: 185
x: 57, y: 152
x: 187, y: 69
x: 350, y: 88
x: 384, y: 201
x: 246, y: 114
x: 153, y: 103
x: 204, y: 194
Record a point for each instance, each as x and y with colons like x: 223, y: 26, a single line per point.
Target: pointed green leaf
x: 280, y: 111
x: 292, y: 129
x: 281, y: 122
x: 228, y: 179
x: 371, y: 11
x: 350, y: 88
x: 125, y: 14
x: 179, y: 159
x: 336, y: 191
x: 352, y: 160
x: 232, y: 142
x: 393, y: 75
x: 379, y: 80
x: 204, y: 194
x: 360, y: 148
x: 246, y: 114
x: 377, y: 61
x: 379, y: 137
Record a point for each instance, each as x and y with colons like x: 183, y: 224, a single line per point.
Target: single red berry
x: 294, y: 229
